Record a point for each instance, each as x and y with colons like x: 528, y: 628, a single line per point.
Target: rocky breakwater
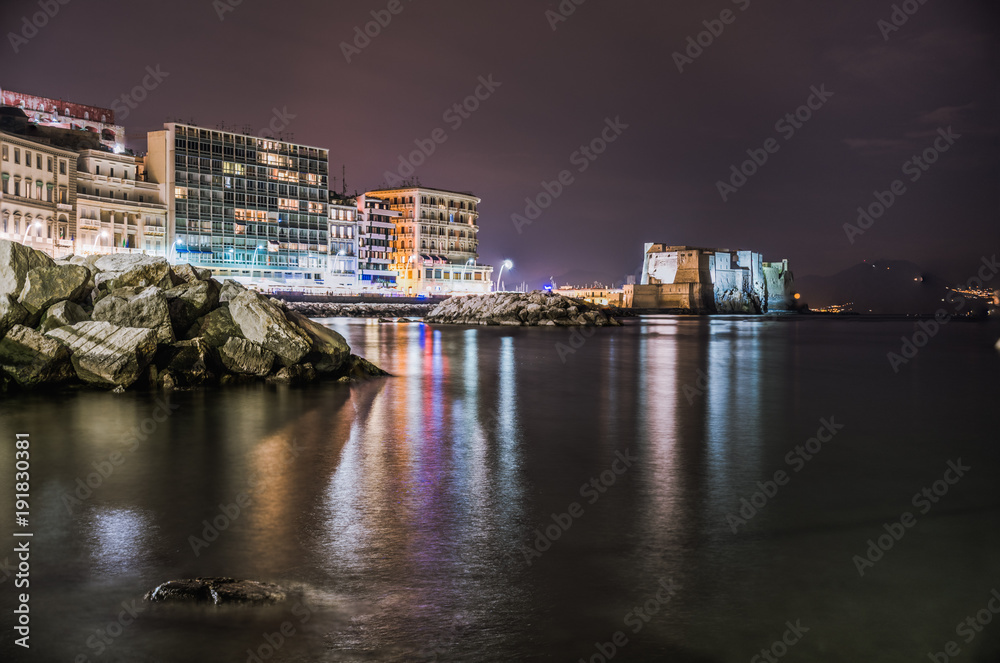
x: 534, y: 309
x: 123, y: 320
x: 360, y: 310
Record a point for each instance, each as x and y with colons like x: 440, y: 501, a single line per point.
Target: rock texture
x: 45, y: 286
x: 519, y: 309
x: 147, y: 309
x: 264, y: 323
x: 11, y: 313
x: 107, y: 355
x: 218, y: 591
x: 32, y: 359
x: 242, y: 356
x: 361, y: 310
x: 62, y: 314
x: 115, y: 321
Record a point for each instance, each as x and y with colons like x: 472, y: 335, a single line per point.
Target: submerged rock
x: 218, y: 591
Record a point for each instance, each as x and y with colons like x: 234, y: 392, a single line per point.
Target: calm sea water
x: 405, y: 514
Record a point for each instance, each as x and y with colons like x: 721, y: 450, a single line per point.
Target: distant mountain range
x: 882, y: 286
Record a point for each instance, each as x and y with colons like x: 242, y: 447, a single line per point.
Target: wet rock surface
x: 360, y: 310
x: 123, y: 320
x: 217, y: 591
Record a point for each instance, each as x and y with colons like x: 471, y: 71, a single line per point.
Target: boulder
x: 33, y: 359
x: 190, y: 301
x: 329, y: 349
x: 148, y: 310
x: 62, y: 314
x: 215, y: 328
x: 230, y: 289
x: 107, y: 355
x: 356, y: 369
x: 262, y: 322
x: 218, y: 591
x: 186, y: 361
x: 16, y: 260
x: 11, y: 313
x: 131, y: 269
x: 184, y: 273
x: 294, y: 374
x: 45, y: 286
x: 242, y: 356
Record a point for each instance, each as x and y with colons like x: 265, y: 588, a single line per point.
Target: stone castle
x: 703, y: 280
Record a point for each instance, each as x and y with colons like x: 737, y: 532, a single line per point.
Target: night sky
x: 657, y: 182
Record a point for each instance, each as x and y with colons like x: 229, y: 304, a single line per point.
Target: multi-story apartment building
x: 243, y: 206
x: 376, y: 231
x: 436, y: 249
x: 341, y: 268
x: 117, y: 210
x: 46, y: 112
x: 37, y: 193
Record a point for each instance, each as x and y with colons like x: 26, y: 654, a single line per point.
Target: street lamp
x: 27, y: 229
x: 507, y: 264
x: 103, y: 233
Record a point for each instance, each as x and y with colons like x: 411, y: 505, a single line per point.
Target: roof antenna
x: 343, y: 179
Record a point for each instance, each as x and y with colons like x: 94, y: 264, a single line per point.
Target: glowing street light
x: 36, y: 224
x: 507, y: 264
x: 101, y: 235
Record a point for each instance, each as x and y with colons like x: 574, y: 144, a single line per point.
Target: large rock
x: 32, y: 359
x: 329, y: 349
x: 242, y: 356
x: 184, y: 273
x: 215, y: 328
x: 62, y: 314
x: 262, y: 322
x: 45, y: 286
x: 11, y: 313
x: 16, y: 260
x: 218, y: 591
x: 357, y: 369
x: 121, y: 270
x: 187, y: 361
x: 149, y: 310
x: 230, y: 289
x: 190, y: 301
x: 107, y: 355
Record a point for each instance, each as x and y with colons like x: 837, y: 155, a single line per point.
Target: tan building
x: 703, y: 280
x: 597, y: 295
x: 436, y: 248
x: 38, y: 194
x: 117, y: 210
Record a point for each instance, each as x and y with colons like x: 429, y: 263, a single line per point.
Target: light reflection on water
x: 400, y: 509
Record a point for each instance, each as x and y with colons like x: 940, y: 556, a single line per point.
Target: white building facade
x: 117, y: 211
x: 37, y: 194
x: 436, y: 249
